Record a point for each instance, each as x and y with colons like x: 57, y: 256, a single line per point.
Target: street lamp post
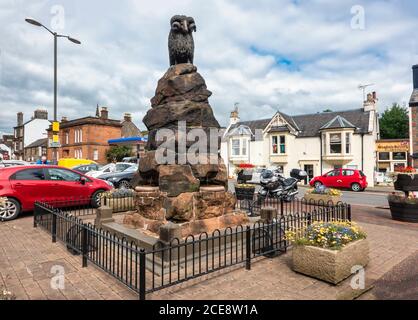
x: 56, y: 36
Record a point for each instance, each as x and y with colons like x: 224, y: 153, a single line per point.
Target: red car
x: 23, y: 185
x: 355, y: 180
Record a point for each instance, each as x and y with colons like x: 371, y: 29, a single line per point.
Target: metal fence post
x: 281, y: 207
x: 35, y: 215
x: 142, y: 284
x: 248, y: 248
x: 349, y: 212
x: 54, y: 226
x: 309, y: 218
x: 85, y: 246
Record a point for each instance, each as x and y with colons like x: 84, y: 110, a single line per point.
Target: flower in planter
x: 401, y: 198
x: 244, y: 167
x: 408, y: 169
x: 118, y: 193
x: 244, y: 186
x: 330, y: 235
x: 325, y: 191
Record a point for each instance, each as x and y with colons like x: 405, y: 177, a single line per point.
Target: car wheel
x: 355, y: 187
x: 96, y: 199
x: 317, y: 184
x: 9, y: 210
x: 124, y: 184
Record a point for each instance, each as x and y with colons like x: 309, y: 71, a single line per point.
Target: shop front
x: 392, y: 155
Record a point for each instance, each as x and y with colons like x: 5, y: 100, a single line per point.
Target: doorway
x: 309, y: 168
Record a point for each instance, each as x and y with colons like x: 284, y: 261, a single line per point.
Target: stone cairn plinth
x: 190, y: 195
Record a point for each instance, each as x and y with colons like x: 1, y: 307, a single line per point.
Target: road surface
x: 365, y: 198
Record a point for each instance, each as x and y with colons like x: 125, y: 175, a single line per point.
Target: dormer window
x: 278, y: 144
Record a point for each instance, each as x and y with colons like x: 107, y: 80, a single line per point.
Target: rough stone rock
x: 194, y: 113
x: 221, y: 177
x: 213, y: 204
x: 147, y: 170
x: 211, y: 134
x: 137, y: 221
x: 181, y: 82
x: 211, y: 224
x: 180, y: 208
x: 150, y: 205
x: 207, y: 167
x: 177, y: 179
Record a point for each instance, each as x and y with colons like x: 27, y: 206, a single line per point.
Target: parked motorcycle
x: 274, y: 185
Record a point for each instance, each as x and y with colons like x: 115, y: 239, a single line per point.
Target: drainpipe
x: 362, y: 152
x: 320, y: 158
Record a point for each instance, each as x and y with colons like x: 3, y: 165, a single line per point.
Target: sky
x: 295, y: 56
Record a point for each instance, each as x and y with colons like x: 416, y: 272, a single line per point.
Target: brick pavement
x: 26, y: 258
x: 27, y: 254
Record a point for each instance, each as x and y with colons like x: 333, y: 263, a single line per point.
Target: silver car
x: 13, y: 163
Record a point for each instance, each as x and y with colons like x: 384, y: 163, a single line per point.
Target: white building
x: 25, y: 133
x: 316, y: 143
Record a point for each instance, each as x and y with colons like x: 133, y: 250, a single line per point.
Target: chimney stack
x: 127, y: 117
x: 415, y: 75
x: 64, y: 119
x: 104, y: 114
x: 371, y: 102
x: 19, y: 118
x: 234, y: 118
x: 40, y: 114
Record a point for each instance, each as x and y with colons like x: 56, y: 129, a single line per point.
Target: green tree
x: 117, y: 153
x: 394, y: 123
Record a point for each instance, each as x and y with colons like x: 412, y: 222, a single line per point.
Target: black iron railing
x: 168, y: 264
x: 282, y: 207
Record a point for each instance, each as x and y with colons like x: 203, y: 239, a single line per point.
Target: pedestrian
x: 43, y: 160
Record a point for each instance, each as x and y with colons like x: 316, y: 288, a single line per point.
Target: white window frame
x: 341, y: 143
x: 347, y: 143
x: 272, y: 145
x: 95, y: 154
x: 233, y: 149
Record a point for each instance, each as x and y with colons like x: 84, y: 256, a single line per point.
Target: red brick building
x: 413, y: 121
x: 86, y: 138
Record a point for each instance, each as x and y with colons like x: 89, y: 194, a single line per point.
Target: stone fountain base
x: 206, y: 210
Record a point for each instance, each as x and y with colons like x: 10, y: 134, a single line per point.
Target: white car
x: 13, y: 163
x: 110, y: 168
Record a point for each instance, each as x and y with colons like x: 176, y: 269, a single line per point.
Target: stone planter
x: 119, y: 204
x: 318, y: 198
x: 330, y: 265
x: 403, y: 211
